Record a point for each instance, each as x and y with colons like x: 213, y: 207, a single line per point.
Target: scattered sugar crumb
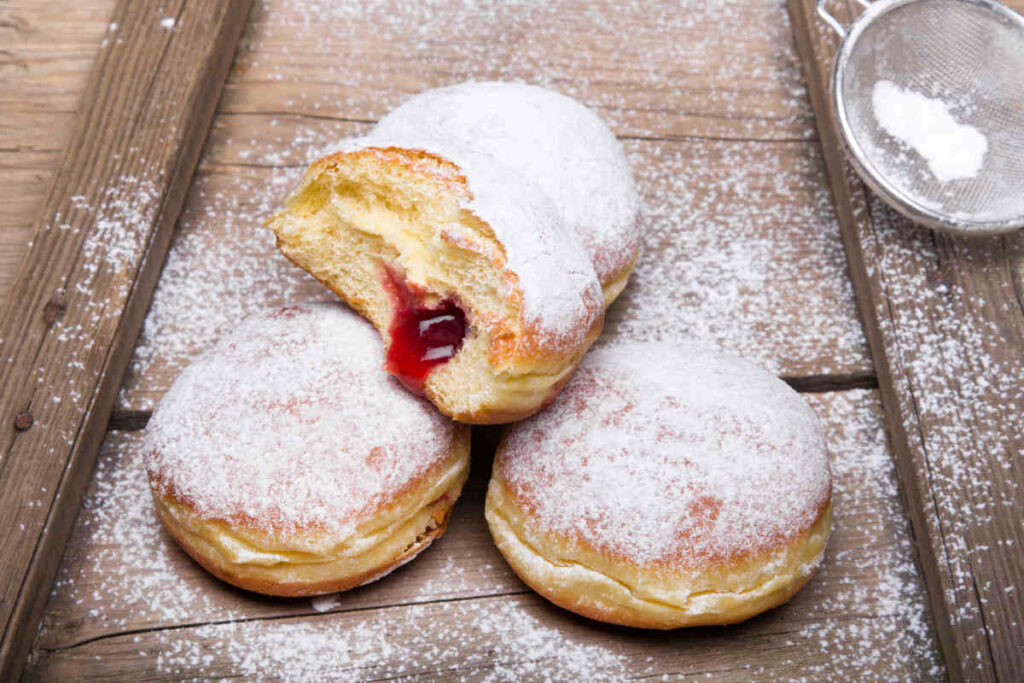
x: 971, y: 402
x: 325, y: 603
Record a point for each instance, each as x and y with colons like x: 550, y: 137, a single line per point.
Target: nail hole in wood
x: 54, y: 308
x: 23, y: 421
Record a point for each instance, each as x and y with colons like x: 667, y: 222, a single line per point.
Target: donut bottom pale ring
x: 587, y: 582
x: 314, y: 564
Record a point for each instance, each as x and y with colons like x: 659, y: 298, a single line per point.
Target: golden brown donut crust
x: 289, y: 571
x: 582, y: 579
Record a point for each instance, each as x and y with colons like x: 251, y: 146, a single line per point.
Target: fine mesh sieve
x: 967, y: 58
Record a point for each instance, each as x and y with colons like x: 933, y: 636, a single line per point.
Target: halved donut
x: 485, y: 299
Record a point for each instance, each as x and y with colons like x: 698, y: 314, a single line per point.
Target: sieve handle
x: 831, y: 20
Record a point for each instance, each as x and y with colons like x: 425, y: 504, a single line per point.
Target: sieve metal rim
x: 871, y: 175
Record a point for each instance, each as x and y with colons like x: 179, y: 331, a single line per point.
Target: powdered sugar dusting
x: 120, y: 560
x: 220, y: 269
x: 555, y: 141
x: 863, y: 612
x: 643, y: 66
x: 116, y: 227
x: 489, y: 640
x: 671, y: 454
x: 871, y: 559
x: 755, y: 263
x: 952, y: 150
x: 290, y: 424
x: 127, y: 206
x: 728, y: 291
x: 741, y: 253
x: 959, y: 346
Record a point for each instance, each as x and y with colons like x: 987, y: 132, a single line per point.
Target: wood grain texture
x: 46, y: 52
x: 644, y: 66
x: 87, y: 277
x: 129, y: 605
x: 945, y: 321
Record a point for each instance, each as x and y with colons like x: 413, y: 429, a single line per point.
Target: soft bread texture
x: 552, y: 139
x: 286, y: 462
x: 452, y: 225
x: 668, y: 486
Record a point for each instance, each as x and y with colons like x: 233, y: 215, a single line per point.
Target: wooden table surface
x: 742, y: 251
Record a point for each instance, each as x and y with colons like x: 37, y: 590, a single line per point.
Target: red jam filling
x: 422, y: 336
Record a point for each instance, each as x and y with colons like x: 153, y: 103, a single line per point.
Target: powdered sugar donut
x: 555, y: 141
x: 485, y: 298
x: 666, y: 487
x: 285, y: 462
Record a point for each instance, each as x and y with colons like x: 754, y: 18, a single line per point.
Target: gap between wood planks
x: 301, y: 615
x: 811, y: 137
x: 314, y: 614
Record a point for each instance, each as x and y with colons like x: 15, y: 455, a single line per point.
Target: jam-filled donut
x: 485, y: 298
x: 287, y: 463
x: 554, y: 140
x: 666, y: 487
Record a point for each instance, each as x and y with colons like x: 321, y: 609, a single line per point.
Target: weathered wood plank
x: 645, y: 66
x: 128, y: 604
x: 37, y: 25
x: 945, y: 323
x: 741, y: 251
x: 46, y: 54
x: 511, y: 638
x: 13, y: 241
x: 86, y: 280
x: 22, y: 134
